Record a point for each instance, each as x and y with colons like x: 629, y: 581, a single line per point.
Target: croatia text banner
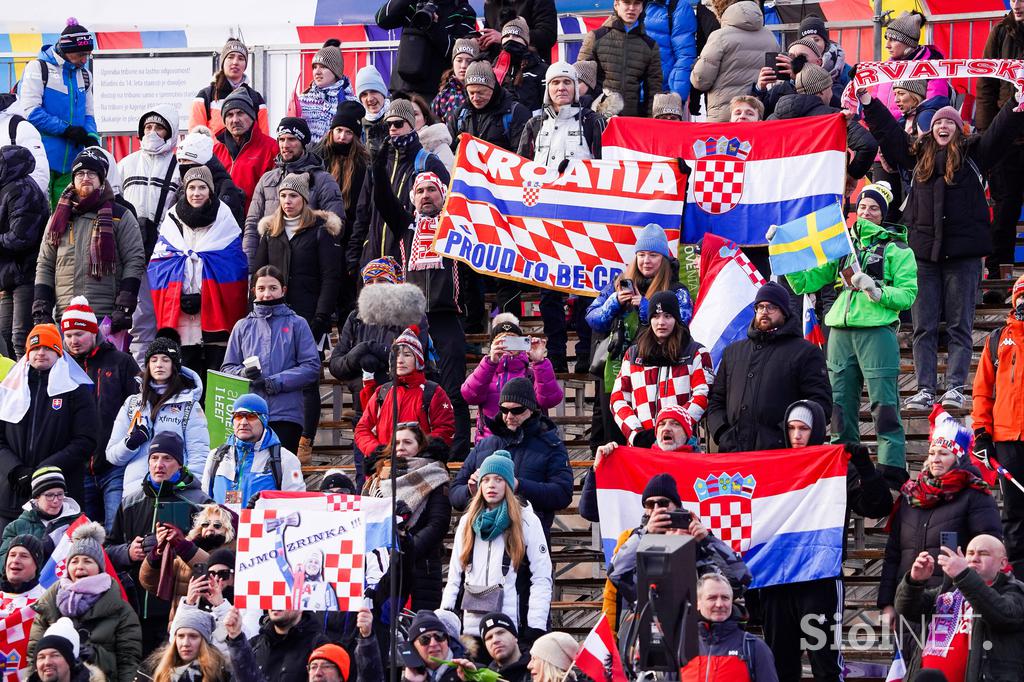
x: 783, y: 510
x: 869, y: 74
x: 512, y: 218
x: 744, y: 176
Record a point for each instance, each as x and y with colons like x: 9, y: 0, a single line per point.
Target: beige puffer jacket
x: 732, y: 58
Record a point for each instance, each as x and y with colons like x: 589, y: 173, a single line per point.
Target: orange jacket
x: 998, y: 399
x: 611, y: 593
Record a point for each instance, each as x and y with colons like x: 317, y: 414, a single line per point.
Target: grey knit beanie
x: 88, y: 540
x: 331, y: 57
x: 296, y: 182
x: 194, y: 619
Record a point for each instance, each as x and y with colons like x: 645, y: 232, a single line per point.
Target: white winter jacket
x: 485, y: 569
x: 26, y: 135
x: 144, y: 173
x: 182, y: 414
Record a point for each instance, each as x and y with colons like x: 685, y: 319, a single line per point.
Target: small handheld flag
x: 809, y: 241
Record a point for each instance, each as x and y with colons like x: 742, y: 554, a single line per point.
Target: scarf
x: 102, y: 246
x: 491, y: 523
x: 927, y: 491
x: 190, y: 672
x: 403, y: 141
x: 1018, y: 310
x: 74, y: 599
x: 16, y: 393
x: 318, y: 105
x: 373, y: 118
x: 423, y: 256
x: 423, y: 477
x: 204, y: 216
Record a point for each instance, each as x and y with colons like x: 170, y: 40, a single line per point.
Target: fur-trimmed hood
x: 609, y: 103
x: 392, y: 305
x: 330, y: 221
x: 433, y: 135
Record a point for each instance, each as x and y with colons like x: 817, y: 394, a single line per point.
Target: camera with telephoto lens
x: 423, y: 17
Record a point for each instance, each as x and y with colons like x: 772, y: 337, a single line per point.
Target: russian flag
x: 745, y: 176
x: 783, y: 510
x: 725, y: 304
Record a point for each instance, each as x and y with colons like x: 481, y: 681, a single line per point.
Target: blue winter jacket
x: 65, y: 101
x: 289, y: 359
x: 606, y: 307
x: 678, y: 49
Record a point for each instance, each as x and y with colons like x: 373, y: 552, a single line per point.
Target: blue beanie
x: 250, y: 402
x: 369, y: 78
x: 652, y: 238
x: 500, y: 463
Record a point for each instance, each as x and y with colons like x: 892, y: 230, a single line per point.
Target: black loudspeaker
x: 666, y: 587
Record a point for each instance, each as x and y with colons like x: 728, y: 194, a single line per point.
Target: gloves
x: 149, y: 543
x: 20, y: 479
x: 865, y: 283
x: 42, y: 311
x: 860, y: 459
x: 694, y: 102
x: 271, y: 386
x: 984, y: 448
x: 258, y: 385
x: 252, y: 373
x: 320, y: 325
x: 124, y: 305
x: 78, y: 135
x: 644, y: 439
x: 139, y: 435
x: 771, y: 232
x: 120, y: 319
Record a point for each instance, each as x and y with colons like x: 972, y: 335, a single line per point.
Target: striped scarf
x: 927, y: 491
x: 102, y: 247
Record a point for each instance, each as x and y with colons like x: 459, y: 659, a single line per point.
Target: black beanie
x: 164, y: 346
x: 664, y: 302
x: 168, y: 443
x: 519, y: 390
x: 92, y: 159
x: 293, y: 125
x: 349, y: 115
x: 662, y: 485
x: 335, y: 479
x: 75, y: 38
x: 813, y: 26
x: 775, y: 293
x: 222, y: 556
x: 34, y: 546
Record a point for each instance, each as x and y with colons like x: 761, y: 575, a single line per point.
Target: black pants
x: 1006, y: 182
x: 450, y: 344
x: 311, y: 410
x: 201, y: 358
x: 818, y: 606
x: 1011, y: 456
x: 288, y: 433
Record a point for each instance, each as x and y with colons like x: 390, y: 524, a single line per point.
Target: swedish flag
x: 809, y: 241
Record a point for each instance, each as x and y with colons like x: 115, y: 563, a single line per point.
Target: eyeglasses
x: 766, y: 308
x: 245, y: 417
x: 217, y: 525
x: 396, y: 124
x: 513, y: 410
x: 659, y: 502
x: 52, y: 497
x: 321, y: 665
x: 93, y: 175
x: 223, y: 574
x: 424, y: 639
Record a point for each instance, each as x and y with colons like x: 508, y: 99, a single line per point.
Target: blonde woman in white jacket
x: 496, y: 537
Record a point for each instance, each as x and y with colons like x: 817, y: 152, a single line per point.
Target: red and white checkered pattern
x: 729, y: 518
x: 263, y: 587
x: 531, y: 193
x: 16, y: 618
x: 718, y: 183
x: 640, y: 391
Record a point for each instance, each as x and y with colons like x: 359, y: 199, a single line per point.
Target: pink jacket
x: 483, y: 386
x: 937, y: 87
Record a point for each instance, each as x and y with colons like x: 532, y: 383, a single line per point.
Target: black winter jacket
x: 913, y: 530
x: 24, y: 210
x: 424, y: 544
x: 278, y: 658
x: 525, y: 82
x: 996, y: 628
x: 113, y: 374
x: 516, y: 671
x: 540, y: 15
x: 858, y: 139
x: 541, y: 466
x: 948, y: 220
x: 362, y: 344
x: 369, y: 238
x: 311, y: 262
x: 500, y: 121
x: 56, y: 431
x: 757, y: 379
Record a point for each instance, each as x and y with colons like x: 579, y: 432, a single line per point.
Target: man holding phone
x: 664, y: 515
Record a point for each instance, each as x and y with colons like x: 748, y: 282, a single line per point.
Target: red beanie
x: 335, y: 654
x: 78, y: 315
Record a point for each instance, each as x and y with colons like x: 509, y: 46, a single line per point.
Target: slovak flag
x: 56, y: 566
x: 598, y: 657
x: 725, y: 304
x: 812, y: 328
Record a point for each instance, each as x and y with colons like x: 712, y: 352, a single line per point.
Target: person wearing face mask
x: 287, y: 352
x: 490, y: 111
x: 518, y: 68
x: 200, y: 251
x: 948, y: 170
x: 206, y: 107
x: 453, y: 90
x: 92, y: 247
x: 150, y: 177
x: 245, y: 151
x: 318, y: 103
x: 998, y: 415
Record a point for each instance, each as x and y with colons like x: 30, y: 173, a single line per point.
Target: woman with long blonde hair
x: 497, y: 538
x: 190, y: 656
x: 551, y: 658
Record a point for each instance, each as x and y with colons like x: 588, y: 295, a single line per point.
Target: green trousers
x: 58, y: 183
x: 871, y: 355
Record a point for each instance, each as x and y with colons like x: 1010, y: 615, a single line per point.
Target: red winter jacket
x: 255, y: 158
x: 374, y: 427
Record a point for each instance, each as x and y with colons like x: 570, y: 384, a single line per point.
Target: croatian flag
x: 783, y: 510
x: 55, y: 568
x: 745, y: 176
x: 725, y: 304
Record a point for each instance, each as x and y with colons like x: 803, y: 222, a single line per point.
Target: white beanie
x: 58, y: 636
x: 195, y: 148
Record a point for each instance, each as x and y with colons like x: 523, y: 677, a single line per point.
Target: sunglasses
x: 424, y: 639
x: 396, y: 124
x: 245, y: 417
x: 217, y: 525
x: 514, y: 410
x: 660, y: 503
x: 224, y: 574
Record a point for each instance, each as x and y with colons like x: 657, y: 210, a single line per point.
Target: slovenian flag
x: 783, y: 510
x: 725, y: 304
x: 744, y: 176
x: 812, y: 328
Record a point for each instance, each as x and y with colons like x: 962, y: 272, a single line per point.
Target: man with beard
x: 281, y: 649
x: 762, y: 374
x: 411, y: 244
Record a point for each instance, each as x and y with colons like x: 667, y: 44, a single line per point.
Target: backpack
x: 44, y: 72
x: 506, y: 121
x: 275, y: 464
x: 12, y: 127
x: 429, y: 388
